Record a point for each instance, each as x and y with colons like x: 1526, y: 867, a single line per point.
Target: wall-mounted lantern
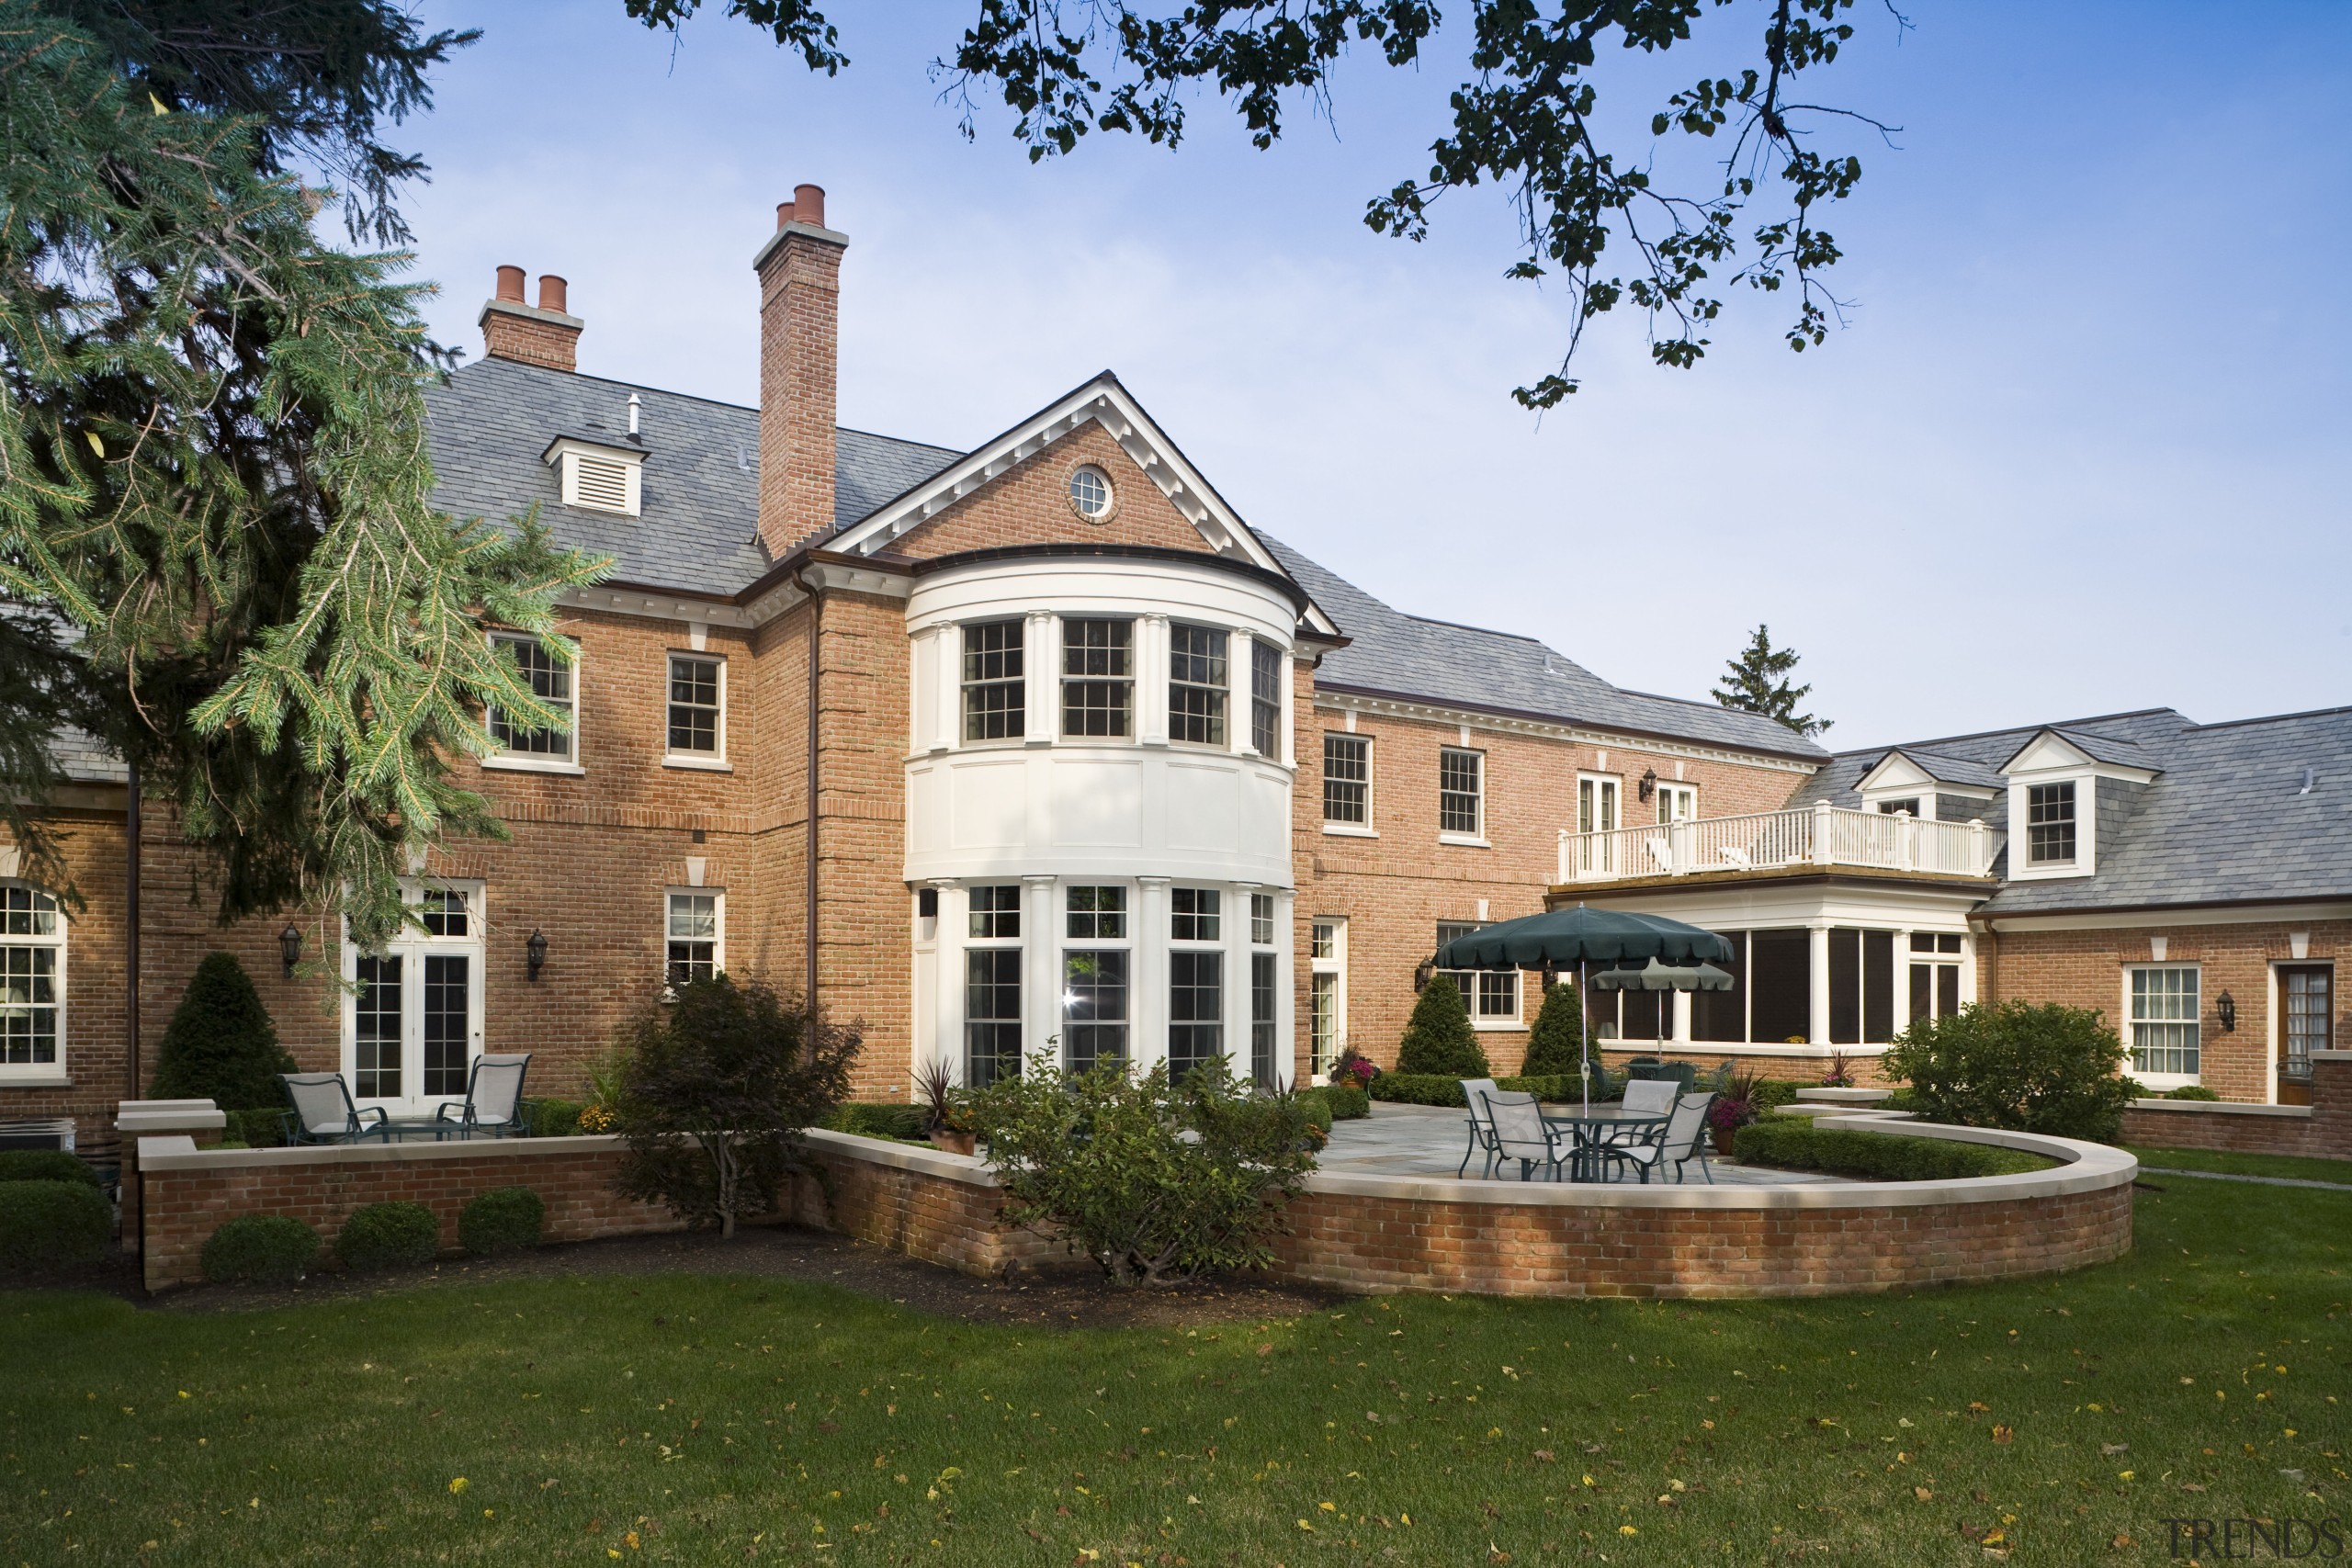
x: 2226, y: 1008
x: 535, y: 952
x: 1421, y: 974
x: 289, y: 947
x: 1649, y: 782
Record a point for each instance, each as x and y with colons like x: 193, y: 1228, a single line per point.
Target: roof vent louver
x: 601, y: 482
x: 598, y: 478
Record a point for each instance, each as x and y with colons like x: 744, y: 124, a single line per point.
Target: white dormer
x: 2053, y: 802
x: 1897, y: 782
x: 598, y: 477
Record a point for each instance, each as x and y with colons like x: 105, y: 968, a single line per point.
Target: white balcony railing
x: 1822, y: 835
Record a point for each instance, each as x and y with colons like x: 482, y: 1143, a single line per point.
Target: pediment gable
x: 1895, y: 772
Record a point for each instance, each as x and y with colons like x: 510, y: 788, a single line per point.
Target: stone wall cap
x: 2223, y: 1107
x: 147, y: 1116
x: 191, y: 1158
x: 2336, y: 1057
x: 967, y: 1168
x: 152, y: 1149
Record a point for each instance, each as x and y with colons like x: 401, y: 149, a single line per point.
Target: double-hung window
x: 1196, y: 980
x: 32, y: 983
x: 1347, y: 780
x: 1461, y: 793
x: 692, y: 935
x: 2050, y: 824
x: 551, y: 681
x: 1265, y: 977
x: 2165, y: 1020
x: 1098, y: 678
x: 993, y: 986
x: 1490, y: 995
x: 1197, y: 685
x: 1095, y: 987
x: 697, y: 706
x: 995, y: 689
x: 1266, y: 699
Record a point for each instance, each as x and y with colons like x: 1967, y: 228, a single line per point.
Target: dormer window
x: 2050, y: 824
x: 598, y: 478
x: 1908, y: 806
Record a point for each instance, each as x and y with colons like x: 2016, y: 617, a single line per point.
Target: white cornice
x: 2224, y: 915
x: 1437, y: 713
x: 658, y: 606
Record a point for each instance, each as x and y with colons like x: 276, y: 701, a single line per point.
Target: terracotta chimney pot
x: 546, y: 335
x: 552, y: 294
x: 809, y: 205
x: 510, y: 284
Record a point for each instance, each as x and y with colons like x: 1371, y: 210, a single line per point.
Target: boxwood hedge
x: 388, y: 1236
x: 1792, y: 1143
x: 45, y: 1224
x: 261, y: 1248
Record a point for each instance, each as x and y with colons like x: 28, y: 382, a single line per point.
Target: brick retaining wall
x: 2321, y: 1129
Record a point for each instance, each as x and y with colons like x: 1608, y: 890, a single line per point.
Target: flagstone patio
x: 1427, y: 1140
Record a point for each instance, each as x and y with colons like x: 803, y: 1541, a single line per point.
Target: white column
x: 955, y: 921
x: 1817, y: 944
x: 1042, y: 655
x: 1824, y: 825
x: 1286, y: 1059
x: 947, y: 663
x: 1290, y: 711
x: 1041, y: 980
x: 1237, y: 949
x: 922, y: 690
x: 1240, y: 704
x: 1682, y: 1016
x: 1151, y: 682
x: 925, y: 1010
x: 1150, y: 1010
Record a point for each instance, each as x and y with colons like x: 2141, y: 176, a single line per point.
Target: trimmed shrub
x: 2050, y: 1069
x: 1317, y: 1105
x: 221, y: 1044
x: 388, y: 1236
x: 45, y: 1164
x: 504, y: 1219
x: 1555, y: 1045
x: 870, y: 1119
x: 1773, y: 1093
x: 1349, y: 1102
x: 1439, y: 1038
x: 2191, y: 1091
x: 45, y: 1224
x: 555, y: 1118
x: 1794, y: 1143
x: 1416, y: 1089
x: 269, y: 1249
x: 255, y: 1129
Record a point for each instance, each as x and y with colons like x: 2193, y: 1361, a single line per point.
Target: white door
x: 412, y: 1012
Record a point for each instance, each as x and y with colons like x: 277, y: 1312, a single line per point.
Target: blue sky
x: 2080, y: 449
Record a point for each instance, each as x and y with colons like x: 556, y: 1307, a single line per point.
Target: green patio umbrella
x: 1657, y: 977
x: 1559, y: 938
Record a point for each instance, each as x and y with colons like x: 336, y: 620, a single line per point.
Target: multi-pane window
x: 32, y: 941
x: 1935, y: 975
x: 1266, y: 699
x: 550, y: 680
x: 1347, y: 780
x: 1488, y: 995
x: 1194, y: 914
x: 1461, y: 795
x: 443, y: 912
x: 1265, y: 975
x: 991, y: 1014
x: 1908, y: 806
x: 996, y: 911
x: 2050, y: 824
x: 1197, y: 685
x: 695, y: 691
x: 2305, y: 992
x: 375, y: 1028
x: 1097, y: 914
x: 1262, y: 920
x: 692, y: 938
x: 1195, y: 1009
x: 2163, y: 1020
x: 1327, y: 994
x: 1677, y: 803
x: 1097, y: 677
x: 995, y: 689
x: 445, y: 1029
x: 1094, y: 1008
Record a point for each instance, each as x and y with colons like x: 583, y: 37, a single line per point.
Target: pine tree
x: 1439, y: 1038
x: 1757, y: 682
x: 221, y: 1044
x: 212, y: 437
x: 1556, y: 1045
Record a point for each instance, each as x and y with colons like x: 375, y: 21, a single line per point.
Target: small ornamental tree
x: 716, y: 1087
x: 1556, y: 1045
x: 1439, y: 1038
x: 221, y: 1044
x: 2048, y: 1069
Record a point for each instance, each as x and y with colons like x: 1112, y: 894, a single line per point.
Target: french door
x: 413, y: 1010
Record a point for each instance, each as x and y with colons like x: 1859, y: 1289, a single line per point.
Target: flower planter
x: 1723, y: 1136
x: 953, y: 1143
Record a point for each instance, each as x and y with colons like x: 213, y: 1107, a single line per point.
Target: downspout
x: 130, y: 939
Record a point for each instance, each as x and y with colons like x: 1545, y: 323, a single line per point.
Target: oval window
x: 1089, y: 493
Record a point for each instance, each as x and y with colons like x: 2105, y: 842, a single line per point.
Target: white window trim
x: 706, y: 761
x: 1061, y: 945
x: 2161, y: 1081
x: 524, y: 762
x: 1477, y: 840
x: 412, y: 939
x: 1518, y: 1019
x: 1680, y: 787
x: 1369, y: 827
x: 718, y: 895
x: 1614, y: 782
x: 2086, y: 862
x: 42, y: 1074
x: 1337, y: 966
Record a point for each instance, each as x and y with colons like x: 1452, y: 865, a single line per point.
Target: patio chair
x: 1481, y: 1131
x: 1651, y: 1095
x: 1685, y: 1139
x: 1522, y: 1134
x: 323, y: 1112
x: 1737, y: 859
x: 493, y: 1105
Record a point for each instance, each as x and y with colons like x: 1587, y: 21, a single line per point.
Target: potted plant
x: 1734, y: 1108
x: 1840, y: 1073
x: 1356, y: 1068
x: 946, y: 1122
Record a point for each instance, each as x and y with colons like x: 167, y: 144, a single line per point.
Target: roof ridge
x: 699, y: 397
x: 2020, y: 729
x: 2271, y: 718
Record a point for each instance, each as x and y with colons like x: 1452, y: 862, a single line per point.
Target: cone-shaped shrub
x: 1556, y: 1043
x: 1439, y: 1038
x: 221, y: 1044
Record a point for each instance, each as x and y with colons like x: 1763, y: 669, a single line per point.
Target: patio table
x: 1596, y: 1127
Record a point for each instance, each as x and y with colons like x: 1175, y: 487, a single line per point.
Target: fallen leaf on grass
x: 1922, y: 1494
x: 2004, y: 1434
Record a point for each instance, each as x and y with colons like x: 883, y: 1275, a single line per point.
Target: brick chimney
x: 799, y: 272
x: 535, y: 335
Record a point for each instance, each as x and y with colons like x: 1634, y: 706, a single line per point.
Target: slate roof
x: 1399, y: 655
x: 698, y: 527
x: 1946, y: 770
x: 2226, y: 819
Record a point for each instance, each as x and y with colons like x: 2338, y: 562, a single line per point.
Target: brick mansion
x: 1038, y: 751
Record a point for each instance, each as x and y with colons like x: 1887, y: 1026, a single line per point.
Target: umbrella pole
x: 1584, y: 1051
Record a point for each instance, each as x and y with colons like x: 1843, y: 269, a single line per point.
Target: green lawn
x: 2296, y: 1165
x: 698, y: 1419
